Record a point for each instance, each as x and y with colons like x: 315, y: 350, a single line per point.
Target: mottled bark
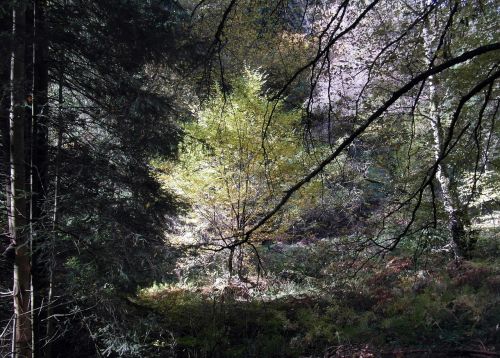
x: 450, y: 200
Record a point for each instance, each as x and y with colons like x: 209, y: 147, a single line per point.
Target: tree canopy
x: 324, y: 171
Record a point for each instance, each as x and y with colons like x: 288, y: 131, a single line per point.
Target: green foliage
x: 389, y: 307
x: 126, y: 72
x: 261, y: 37
x: 236, y: 160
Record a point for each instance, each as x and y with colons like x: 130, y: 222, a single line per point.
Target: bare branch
x: 379, y: 112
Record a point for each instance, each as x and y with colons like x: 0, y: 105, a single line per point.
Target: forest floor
x: 390, y: 309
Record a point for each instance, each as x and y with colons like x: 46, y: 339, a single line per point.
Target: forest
x: 249, y: 178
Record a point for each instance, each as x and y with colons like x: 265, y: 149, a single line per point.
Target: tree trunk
x: 5, y: 32
x: 39, y: 158
x: 38, y: 166
x: 230, y: 262
x: 55, y: 215
x: 22, y: 265
x: 450, y: 199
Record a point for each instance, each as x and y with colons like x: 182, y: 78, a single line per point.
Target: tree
x: 229, y: 175
x: 22, y: 332
x: 368, y: 102
x: 112, y: 113
x: 363, y: 128
x: 109, y: 92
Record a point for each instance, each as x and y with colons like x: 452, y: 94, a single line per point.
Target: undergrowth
x: 389, y: 308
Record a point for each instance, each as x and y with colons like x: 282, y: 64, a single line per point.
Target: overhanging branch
x: 466, y: 56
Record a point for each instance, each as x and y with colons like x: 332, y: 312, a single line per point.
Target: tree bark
x: 230, y: 262
x: 5, y: 32
x: 451, y: 203
x: 450, y: 199
x: 38, y: 169
x: 22, y: 264
x: 39, y: 158
x: 55, y: 216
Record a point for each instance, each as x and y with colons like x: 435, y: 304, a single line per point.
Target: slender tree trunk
x: 55, y: 216
x: 39, y: 158
x: 450, y: 199
x: 5, y: 32
x: 22, y: 265
x: 230, y: 262
x: 38, y: 166
x: 240, y: 262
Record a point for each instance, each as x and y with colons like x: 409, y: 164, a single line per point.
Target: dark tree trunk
x: 40, y: 111
x: 22, y: 332
x: 230, y: 262
x: 38, y: 179
x: 5, y: 47
x: 55, y: 215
